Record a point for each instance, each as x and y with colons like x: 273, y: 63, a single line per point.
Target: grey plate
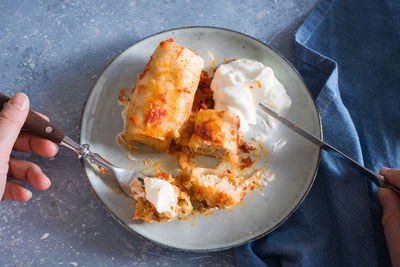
x: 295, y: 166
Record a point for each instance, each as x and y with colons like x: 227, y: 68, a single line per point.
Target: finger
x: 391, y: 221
x: 27, y: 142
x: 30, y: 143
x: 16, y: 192
x: 392, y: 176
x: 28, y: 172
x: 12, y: 117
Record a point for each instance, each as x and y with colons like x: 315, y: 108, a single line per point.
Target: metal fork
x: 43, y: 128
x: 124, y: 177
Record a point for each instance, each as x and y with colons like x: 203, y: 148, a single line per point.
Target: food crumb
x: 104, y: 171
x: 247, y: 147
x: 246, y: 163
x: 208, y: 214
x: 122, y: 97
x: 212, y: 59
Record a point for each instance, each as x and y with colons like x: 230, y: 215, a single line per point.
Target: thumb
x: 391, y: 222
x: 12, y: 117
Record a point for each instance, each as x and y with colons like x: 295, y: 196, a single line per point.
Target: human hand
x: 12, y: 118
x: 391, y: 213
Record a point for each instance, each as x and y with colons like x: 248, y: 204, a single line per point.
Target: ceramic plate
x: 260, y: 213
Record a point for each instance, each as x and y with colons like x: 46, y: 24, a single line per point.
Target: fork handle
x: 37, y: 125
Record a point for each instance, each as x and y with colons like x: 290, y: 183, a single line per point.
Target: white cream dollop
x: 240, y: 85
x: 161, y: 194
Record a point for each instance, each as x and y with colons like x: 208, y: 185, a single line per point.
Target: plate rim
x: 212, y: 249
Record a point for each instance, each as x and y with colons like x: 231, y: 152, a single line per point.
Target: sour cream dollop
x: 240, y: 85
x: 161, y: 194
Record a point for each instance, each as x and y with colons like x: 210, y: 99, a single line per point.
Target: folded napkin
x: 349, y: 55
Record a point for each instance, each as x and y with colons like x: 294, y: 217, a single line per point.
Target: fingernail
x: 20, y: 101
x: 48, y: 183
x: 29, y: 194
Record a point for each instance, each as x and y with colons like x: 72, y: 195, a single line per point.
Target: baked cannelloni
x: 147, y: 212
x: 215, y: 133
x: 211, y: 188
x: 161, y: 102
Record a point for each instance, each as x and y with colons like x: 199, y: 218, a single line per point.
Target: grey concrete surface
x: 52, y: 51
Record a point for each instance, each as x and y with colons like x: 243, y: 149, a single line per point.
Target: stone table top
x: 52, y: 51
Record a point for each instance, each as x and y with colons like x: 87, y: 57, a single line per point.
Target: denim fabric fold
x: 348, y: 52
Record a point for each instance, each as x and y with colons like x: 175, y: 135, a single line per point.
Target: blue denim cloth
x: 348, y: 52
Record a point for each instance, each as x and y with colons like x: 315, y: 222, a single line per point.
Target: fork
x: 36, y: 125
